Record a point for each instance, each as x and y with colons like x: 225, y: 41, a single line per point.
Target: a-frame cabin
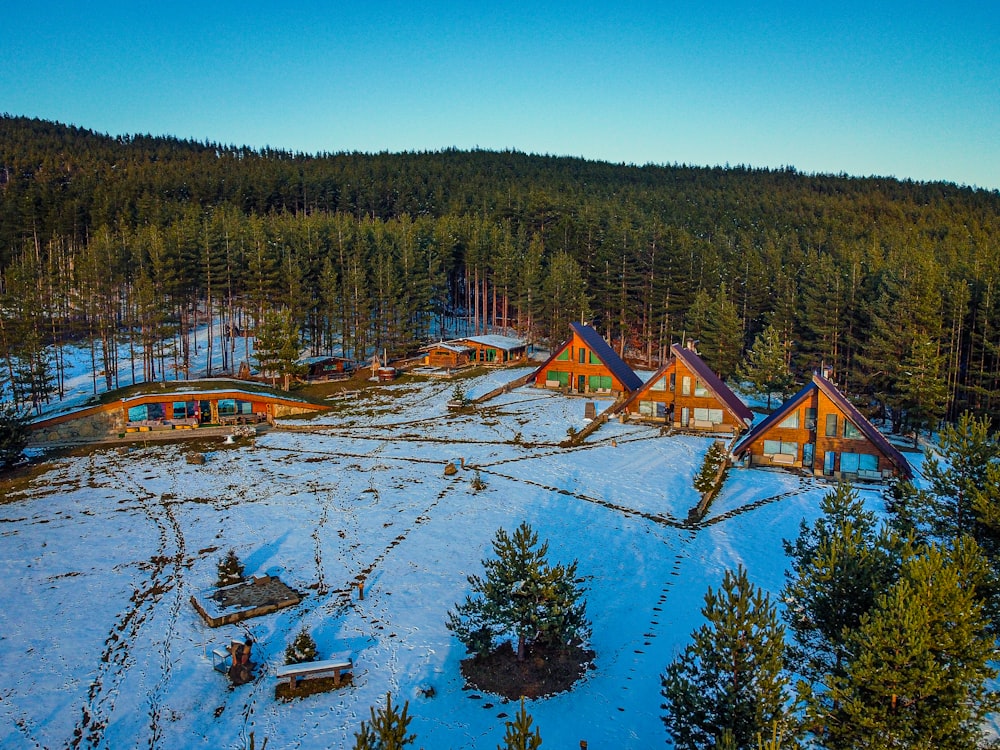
x: 686, y: 395
x: 819, y: 430
x: 586, y: 364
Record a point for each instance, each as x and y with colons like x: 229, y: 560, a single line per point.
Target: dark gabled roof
x: 867, y: 428
x: 870, y: 431
x: 713, y: 382
x: 773, y: 418
x: 629, y: 380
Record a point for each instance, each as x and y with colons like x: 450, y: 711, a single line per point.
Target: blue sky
x: 907, y: 90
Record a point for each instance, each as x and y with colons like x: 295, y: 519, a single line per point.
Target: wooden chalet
x: 447, y: 354
x: 585, y: 363
x: 496, y: 350
x: 685, y: 394
x: 326, y: 368
x: 819, y: 430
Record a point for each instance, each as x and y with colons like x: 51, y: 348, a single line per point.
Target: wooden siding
x: 440, y: 356
x: 813, y: 432
x: 481, y: 353
x: 675, y: 401
x: 577, y: 369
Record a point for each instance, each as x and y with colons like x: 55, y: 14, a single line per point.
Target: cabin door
x: 685, y: 415
x: 828, y: 462
x: 581, y: 383
x: 807, y: 454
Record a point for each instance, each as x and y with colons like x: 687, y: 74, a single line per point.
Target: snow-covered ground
x: 101, y: 647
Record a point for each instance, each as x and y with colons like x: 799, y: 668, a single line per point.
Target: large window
x: 597, y: 382
x: 708, y: 415
x: 594, y: 359
x: 146, y: 411
x: 653, y: 409
x: 774, y: 447
x: 230, y: 406
x: 659, y: 385
x: 183, y: 409
x: 850, y: 431
x: 559, y: 376
x: 583, y: 355
x: 853, y: 463
x: 810, y: 418
x: 791, y: 421
x: 686, y: 386
x: 700, y: 389
x: 831, y: 425
x: 563, y: 356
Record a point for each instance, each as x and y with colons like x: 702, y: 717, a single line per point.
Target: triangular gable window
x: 791, y: 421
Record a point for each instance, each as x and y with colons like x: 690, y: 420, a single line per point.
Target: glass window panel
x: 849, y: 463
x: 792, y: 420
x: 850, y: 431
x: 831, y: 425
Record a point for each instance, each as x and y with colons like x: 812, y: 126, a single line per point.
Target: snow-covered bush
x: 230, y: 569
x: 302, y: 649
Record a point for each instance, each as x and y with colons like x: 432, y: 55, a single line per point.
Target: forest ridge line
x: 892, y: 283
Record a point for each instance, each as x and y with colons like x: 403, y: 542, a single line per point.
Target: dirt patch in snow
x: 544, y: 671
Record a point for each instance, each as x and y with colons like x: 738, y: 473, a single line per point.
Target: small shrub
x: 714, y: 458
x: 477, y: 482
x: 302, y: 649
x: 387, y: 728
x: 230, y: 569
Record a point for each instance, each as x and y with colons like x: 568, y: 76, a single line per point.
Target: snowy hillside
x: 101, y: 647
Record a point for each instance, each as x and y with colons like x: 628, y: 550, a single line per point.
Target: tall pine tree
x: 730, y: 680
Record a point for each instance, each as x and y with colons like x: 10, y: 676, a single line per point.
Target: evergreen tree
x: 302, y: 649
x: 565, y: 294
x: 696, y: 317
x: 387, y: 728
x: 720, y: 341
x: 729, y: 681
x: 14, y: 433
x: 919, y: 665
x: 230, y: 569
x: 837, y: 569
x: 923, y: 394
x: 519, y: 734
x: 766, y: 365
x: 277, y: 347
x: 521, y: 595
x: 963, y: 493
x: 714, y: 458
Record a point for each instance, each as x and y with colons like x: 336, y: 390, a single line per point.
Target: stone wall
x: 95, y: 426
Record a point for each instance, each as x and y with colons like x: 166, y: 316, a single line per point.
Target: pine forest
x: 134, y: 242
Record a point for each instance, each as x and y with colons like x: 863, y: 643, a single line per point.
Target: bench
x: 335, y: 665
x: 783, y: 459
